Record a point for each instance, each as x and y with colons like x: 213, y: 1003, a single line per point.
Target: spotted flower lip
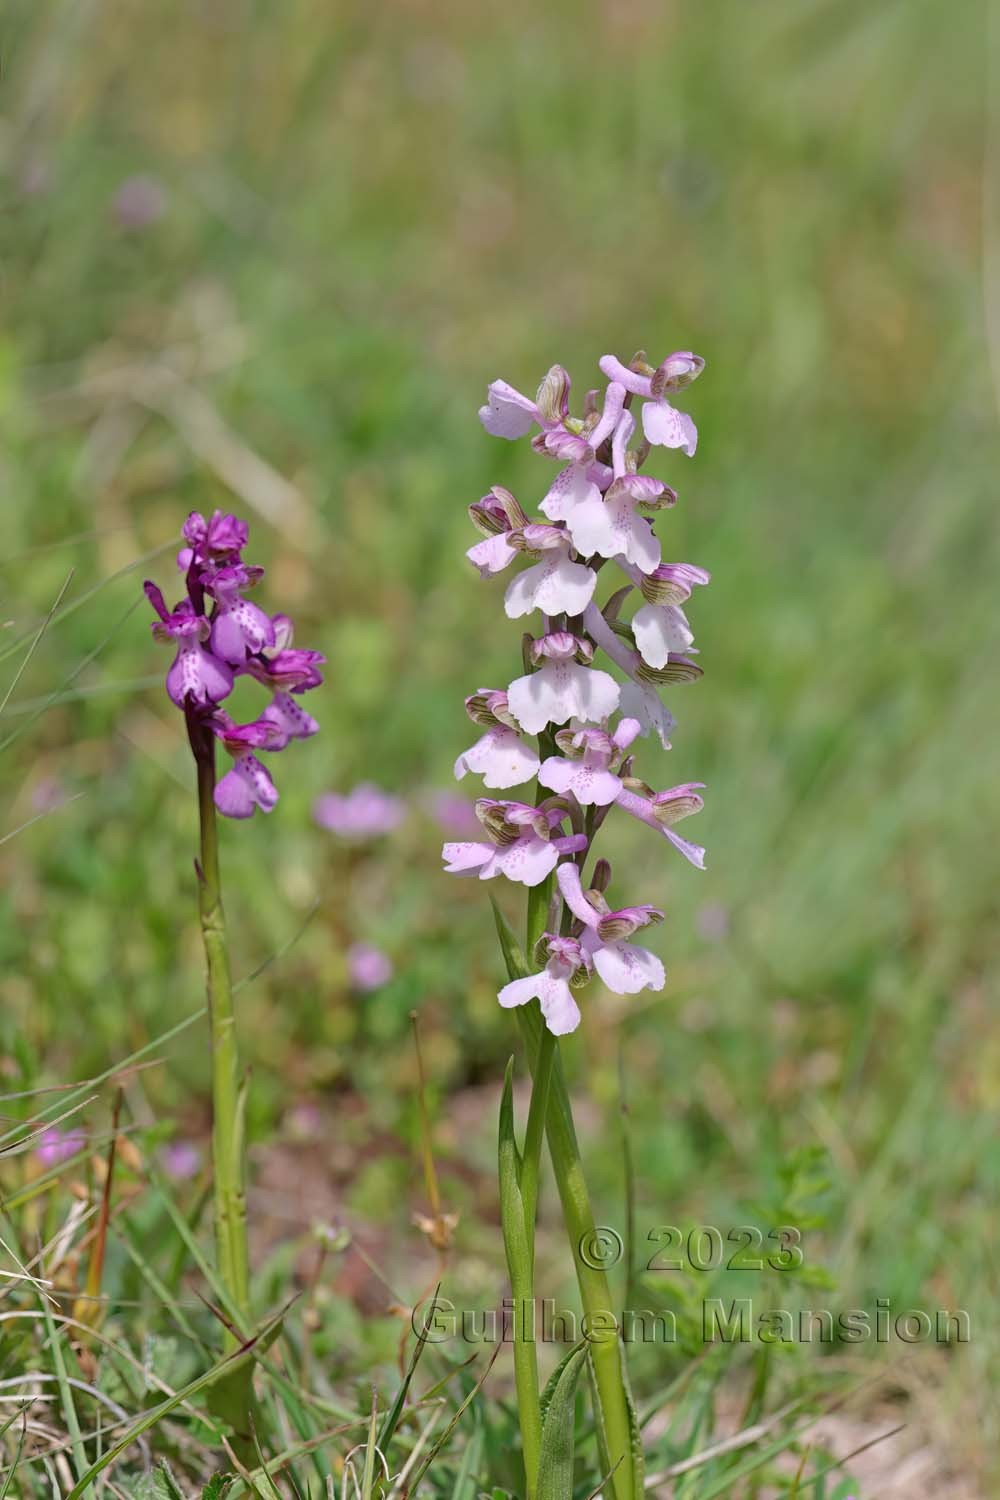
x: 501, y: 757
x: 589, y: 776
x: 195, y: 673
x: 562, y: 688
x: 244, y: 788
x: 239, y: 628
x: 556, y: 584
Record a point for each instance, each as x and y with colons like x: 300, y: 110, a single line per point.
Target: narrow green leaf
x: 371, y: 1446
x: 391, y: 1421
x: 515, y: 1234
x: 539, y: 901
x: 22, y: 1413
x: 445, y: 1437
x: 550, y: 1385
x: 465, y: 1485
x: 555, y: 1465
x: 65, y: 1389
x: 221, y: 1370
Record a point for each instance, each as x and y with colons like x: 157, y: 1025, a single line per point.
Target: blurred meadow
x: 267, y: 257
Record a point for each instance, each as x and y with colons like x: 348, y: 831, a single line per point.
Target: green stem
x: 534, y: 1131
x: 529, y: 1412
x: 614, y: 1398
x: 227, y: 1105
x: 518, y: 1243
x: 521, y: 1267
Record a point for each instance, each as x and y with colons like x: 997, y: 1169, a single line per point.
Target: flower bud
x: 601, y: 878
x: 496, y: 512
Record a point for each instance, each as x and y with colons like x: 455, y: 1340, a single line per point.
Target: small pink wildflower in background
x: 139, y: 202
x: 367, y: 812
x: 368, y: 966
x: 181, y: 1160
x: 48, y: 794
x: 453, y: 814
x: 59, y: 1145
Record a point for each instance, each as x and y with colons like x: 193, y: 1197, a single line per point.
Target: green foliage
x: 555, y: 1465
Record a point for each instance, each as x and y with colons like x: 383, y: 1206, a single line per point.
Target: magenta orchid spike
x: 220, y: 635
x: 570, y: 720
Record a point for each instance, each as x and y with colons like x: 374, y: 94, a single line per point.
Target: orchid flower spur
x: 593, y: 671
x: 219, y: 635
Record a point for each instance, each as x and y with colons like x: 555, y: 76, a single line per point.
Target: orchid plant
x: 570, y: 725
x: 219, y: 635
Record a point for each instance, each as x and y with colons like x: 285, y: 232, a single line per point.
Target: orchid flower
x: 625, y: 968
x: 497, y: 515
x: 218, y: 633
x: 610, y: 526
x: 247, y: 785
x: 216, y: 541
x: 195, y: 674
x: 500, y: 756
x: 240, y: 628
x: 521, y: 845
x: 662, y: 424
x: 586, y: 769
x: 662, y: 809
x: 510, y: 415
x: 564, y: 687
x: 556, y: 585
x: 552, y: 985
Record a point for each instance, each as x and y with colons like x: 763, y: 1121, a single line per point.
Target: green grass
x: 370, y: 214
